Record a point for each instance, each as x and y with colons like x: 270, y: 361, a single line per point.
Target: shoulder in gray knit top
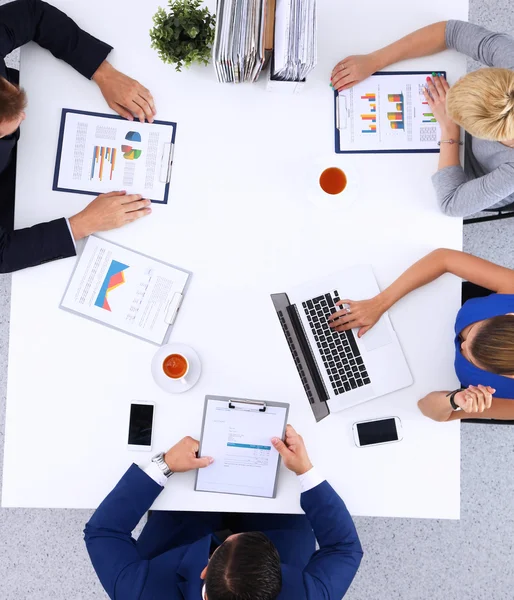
x: 488, y: 180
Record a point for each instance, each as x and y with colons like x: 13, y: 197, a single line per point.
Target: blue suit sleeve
x: 23, y: 21
x: 108, y: 538
x: 332, y: 568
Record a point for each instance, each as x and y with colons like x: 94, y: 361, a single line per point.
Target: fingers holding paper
x: 293, y: 451
x: 182, y: 456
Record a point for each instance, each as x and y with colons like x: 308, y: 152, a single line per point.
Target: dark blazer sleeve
x: 23, y: 21
x: 35, y: 245
x: 108, y: 535
x: 331, y: 570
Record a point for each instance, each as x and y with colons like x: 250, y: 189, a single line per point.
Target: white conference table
x: 240, y: 218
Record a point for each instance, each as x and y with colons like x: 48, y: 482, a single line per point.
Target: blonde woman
x: 482, y: 103
x: 484, y: 334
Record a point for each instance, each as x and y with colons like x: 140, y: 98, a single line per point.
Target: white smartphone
x: 141, y: 426
x: 377, y: 431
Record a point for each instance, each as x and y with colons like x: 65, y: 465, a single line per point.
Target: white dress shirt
x: 307, y: 481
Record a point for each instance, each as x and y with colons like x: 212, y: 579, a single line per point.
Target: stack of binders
x: 296, y: 47
x: 243, y: 40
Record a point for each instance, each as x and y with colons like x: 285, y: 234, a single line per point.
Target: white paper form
x: 104, y: 153
x: 124, y: 289
x: 386, y: 112
x: 239, y: 440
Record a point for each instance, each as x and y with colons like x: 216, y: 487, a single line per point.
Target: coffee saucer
x: 170, y: 385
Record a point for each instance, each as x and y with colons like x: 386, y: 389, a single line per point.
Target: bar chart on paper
x: 388, y: 112
x: 103, y: 163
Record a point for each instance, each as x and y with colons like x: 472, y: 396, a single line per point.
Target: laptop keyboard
x: 339, y: 351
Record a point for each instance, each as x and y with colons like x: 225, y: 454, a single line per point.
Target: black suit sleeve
x: 35, y: 245
x: 23, y: 21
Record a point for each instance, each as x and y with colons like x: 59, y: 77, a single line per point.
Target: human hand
x: 182, y: 457
x: 109, y: 211
x: 293, y: 452
x: 123, y: 94
x: 352, y: 70
x: 475, y: 399
x: 435, y: 95
x: 361, y: 313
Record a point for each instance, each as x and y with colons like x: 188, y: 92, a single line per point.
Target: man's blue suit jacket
x: 175, y: 574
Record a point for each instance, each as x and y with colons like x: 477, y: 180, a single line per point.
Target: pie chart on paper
x: 132, y: 150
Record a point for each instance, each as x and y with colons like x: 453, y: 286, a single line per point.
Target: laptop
x: 339, y: 370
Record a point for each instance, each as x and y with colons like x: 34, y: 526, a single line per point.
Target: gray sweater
x: 488, y: 178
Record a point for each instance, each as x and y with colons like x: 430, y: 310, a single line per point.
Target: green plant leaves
x: 184, y: 35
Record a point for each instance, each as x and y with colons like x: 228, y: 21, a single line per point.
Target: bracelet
x: 450, y: 141
x: 452, y: 396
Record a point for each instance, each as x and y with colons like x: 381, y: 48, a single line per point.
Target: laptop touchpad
x: 376, y: 337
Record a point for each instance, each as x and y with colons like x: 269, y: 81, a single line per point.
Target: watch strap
x: 158, y: 459
x: 452, y: 395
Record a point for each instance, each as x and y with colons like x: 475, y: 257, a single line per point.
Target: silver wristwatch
x: 158, y: 459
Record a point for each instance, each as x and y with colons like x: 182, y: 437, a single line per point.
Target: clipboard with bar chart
x: 387, y: 112
x: 99, y: 153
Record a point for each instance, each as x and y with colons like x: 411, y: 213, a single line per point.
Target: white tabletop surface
x: 240, y: 219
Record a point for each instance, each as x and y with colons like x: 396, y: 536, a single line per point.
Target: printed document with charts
x: 105, y: 153
x: 125, y: 290
x: 237, y: 434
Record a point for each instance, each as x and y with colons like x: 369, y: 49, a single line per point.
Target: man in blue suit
x: 267, y: 557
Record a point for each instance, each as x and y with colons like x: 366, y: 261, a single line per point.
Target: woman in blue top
x: 484, y: 334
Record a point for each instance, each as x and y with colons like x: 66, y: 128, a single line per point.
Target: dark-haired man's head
x: 245, y: 567
x: 13, y: 101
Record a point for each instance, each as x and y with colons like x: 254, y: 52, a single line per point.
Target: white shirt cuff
x: 153, y: 471
x: 71, y: 232
x: 310, y: 479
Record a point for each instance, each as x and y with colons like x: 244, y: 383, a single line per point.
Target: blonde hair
x: 482, y: 102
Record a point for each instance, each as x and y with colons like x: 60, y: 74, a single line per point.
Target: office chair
x: 471, y: 290
x: 505, y: 212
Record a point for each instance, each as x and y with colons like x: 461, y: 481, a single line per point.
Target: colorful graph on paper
x: 396, y: 117
x: 113, y: 279
x: 369, y: 118
x: 102, y: 155
x: 129, y: 151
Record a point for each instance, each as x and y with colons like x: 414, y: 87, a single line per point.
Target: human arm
x: 480, y: 44
x: 113, y: 551
x: 33, y: 246
x: 477, y: 402
x: 332, y: 568
x: 422, y: 42
x: 365, y: 313
x: 23, y: 21
x: 46, y: 242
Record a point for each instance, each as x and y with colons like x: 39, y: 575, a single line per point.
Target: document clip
x: 173, y: 307
x: 248, y: 405
x: 341, y: 112
x: 166, y: 163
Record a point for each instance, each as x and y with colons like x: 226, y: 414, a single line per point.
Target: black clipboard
x: 337, y: 118
x: 66, y: 111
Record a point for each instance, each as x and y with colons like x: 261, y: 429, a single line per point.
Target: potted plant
x: 184, y: 34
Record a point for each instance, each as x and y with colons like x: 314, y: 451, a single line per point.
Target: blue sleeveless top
x: 472, y: 311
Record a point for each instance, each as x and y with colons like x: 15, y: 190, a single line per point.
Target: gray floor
x: 42, y: 555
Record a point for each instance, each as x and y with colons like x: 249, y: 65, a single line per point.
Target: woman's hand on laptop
x: 361, y: 313
x: 351, y: 70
